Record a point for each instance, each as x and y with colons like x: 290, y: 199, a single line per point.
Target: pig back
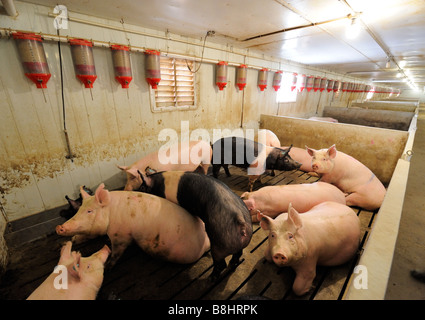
x: 332, y: 231
x: 236, y: 150
x: 160, y: 227
x: 227, y: 219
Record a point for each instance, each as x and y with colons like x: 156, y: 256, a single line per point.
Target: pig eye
x: 290, y: 236
x: 272, y: 235
x: 89, y: 211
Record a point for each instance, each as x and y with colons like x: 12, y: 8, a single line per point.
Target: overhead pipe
x: 9, y: 6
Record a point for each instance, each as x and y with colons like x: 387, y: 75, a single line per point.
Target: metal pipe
x: 9, y: 6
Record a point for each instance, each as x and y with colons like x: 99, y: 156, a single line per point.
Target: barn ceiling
x: 388, y: 50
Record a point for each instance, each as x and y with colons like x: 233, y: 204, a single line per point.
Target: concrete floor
x: 410, y: 246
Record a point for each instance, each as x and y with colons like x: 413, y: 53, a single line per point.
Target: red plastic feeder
x: 122, y: 66
x: 262, y: 78
x: 153, y: 68
x: 82, y: 55
x: 277, y: 79
x: 330, y: 85
x: 294, y: 81
x: 310, y: 83
x: 221, y: 75
x: 241, y: 76
x: 303, y: 83
x: 33, y: 58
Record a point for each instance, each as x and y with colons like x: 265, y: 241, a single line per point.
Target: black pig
x: 255, y: 156
x: 227, y: 219
x: 74, y: 205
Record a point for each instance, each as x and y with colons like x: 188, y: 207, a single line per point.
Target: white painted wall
x: 113, y: 128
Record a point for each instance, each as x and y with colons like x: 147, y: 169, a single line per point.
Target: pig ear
x: 102, y: 195
x: 332, y: 152
x: 124, y: 168
x: 133, y: 172
x: 294, y: 216
x: 265, y: 221
x: 245, y: 195
x: 310, y: 151
x: 84, y: 193
x: 249, y: 204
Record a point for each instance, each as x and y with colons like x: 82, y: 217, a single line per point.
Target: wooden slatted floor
x: 139, y: 276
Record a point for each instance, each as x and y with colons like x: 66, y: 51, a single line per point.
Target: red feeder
x: 303, y: 82
x: 122, y: 66
x: 344, y: 86
x: 262, y: 78
x: 241, y: 76
x: 310, y: 83
x: 337, y: 84
x: 277, y: 78
x: 323, y: 82
x: 330, y: 85
x: 153, y: 68
x: 33, y: 58
x: 221, y: 75
x: 294, y: 81
x: 82, y: 55
x: 316, y: 85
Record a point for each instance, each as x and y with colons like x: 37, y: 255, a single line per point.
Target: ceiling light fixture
x: 353, y: 30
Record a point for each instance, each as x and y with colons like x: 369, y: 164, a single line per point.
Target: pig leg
x: 80, y: 238
x: 119, y: 244
x: 235, y: 260
x: 216, y: 170
x: 226, y: 169
x: 303, y: 281
x: 251, y: 182
x: 219, y: 263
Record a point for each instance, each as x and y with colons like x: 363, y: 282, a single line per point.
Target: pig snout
x: 315, y: 166
x: 60, y: 230
x: 280, y: 258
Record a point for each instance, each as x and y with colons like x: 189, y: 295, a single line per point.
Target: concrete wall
x: 116, y: 126
x: 396, y: 120
x: 378, y: 149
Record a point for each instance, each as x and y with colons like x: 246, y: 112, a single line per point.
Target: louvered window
x: 176, y: 88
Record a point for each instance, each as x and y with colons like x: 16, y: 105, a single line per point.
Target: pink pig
x: 361, y: 186
x: 273, y: 200
x: 190, y: 155
x: 160, y: 227
x: 327, y: 235
x: 268, y: 138
x: 84, y: 276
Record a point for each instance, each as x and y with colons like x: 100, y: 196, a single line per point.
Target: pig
x: 160, y: 227
x: 227, y: 219
x: 270, y: 139
x: 327, y: 235
x: 362, y: 188
x: 255, y: 156
x: 74, y: 205
x: 301, y: 155
x: 84, y: 276
x: 191, y: 154
x: 273, y: 200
